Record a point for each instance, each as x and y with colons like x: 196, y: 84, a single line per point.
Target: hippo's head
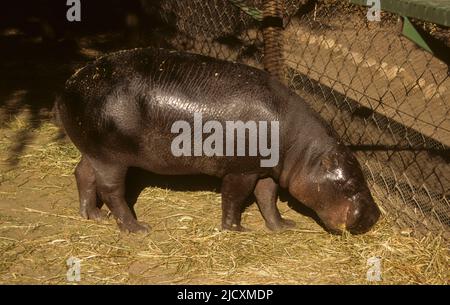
x: 333, y: 185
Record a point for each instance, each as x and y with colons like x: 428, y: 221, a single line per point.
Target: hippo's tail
x: 55, y: 111
x: 56, y: 116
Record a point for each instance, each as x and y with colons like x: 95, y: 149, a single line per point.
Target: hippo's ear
x: 329, y: 162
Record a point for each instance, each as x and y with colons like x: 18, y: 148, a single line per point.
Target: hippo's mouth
x: 357, y: 217
x: 335, y: 221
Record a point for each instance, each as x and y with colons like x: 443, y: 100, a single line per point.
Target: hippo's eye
x: 350, y: 186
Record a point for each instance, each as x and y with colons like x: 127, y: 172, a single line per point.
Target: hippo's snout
x: 362, y: 215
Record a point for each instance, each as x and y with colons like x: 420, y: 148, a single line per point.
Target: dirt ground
x: 40, y: 230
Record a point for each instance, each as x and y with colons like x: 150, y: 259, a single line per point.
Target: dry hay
x: 40, y: 229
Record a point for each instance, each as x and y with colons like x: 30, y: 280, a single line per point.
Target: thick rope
x: 272, y: 33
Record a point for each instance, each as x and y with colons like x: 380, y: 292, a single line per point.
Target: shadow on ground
x: 40, y: 49
x: 137, y: 180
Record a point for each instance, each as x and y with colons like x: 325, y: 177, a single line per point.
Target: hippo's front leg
x: 266, y: 193
x: 236, y: 188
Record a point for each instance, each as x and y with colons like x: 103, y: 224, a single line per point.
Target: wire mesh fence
x: 388, y: 99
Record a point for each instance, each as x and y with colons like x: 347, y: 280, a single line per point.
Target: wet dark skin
x: 119, y: 110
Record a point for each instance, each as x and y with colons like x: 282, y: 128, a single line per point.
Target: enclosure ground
x: 40, y: 229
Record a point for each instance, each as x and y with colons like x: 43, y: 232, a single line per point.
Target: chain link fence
x: 388, y: 99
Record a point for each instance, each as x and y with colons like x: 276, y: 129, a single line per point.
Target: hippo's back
x: 177, y: 81
x: 127, y: 101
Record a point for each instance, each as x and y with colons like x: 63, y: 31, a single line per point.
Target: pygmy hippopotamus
x: 122, y: 111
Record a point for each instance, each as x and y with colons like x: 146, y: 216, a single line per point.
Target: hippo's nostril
x: 355, y: 213
x: 362, y: 216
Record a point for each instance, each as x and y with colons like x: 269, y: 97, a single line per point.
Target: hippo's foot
x: 133, y: 227
x: 234, y: 228
x: 281, y: 225
x: 94, y: 214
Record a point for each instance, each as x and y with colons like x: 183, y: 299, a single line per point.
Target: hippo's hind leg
x: 266, y: 193
x: 90, y: 204
x: 236, y: 188
x: 110, y: 181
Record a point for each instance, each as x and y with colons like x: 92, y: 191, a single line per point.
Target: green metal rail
x: 435, y: 11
